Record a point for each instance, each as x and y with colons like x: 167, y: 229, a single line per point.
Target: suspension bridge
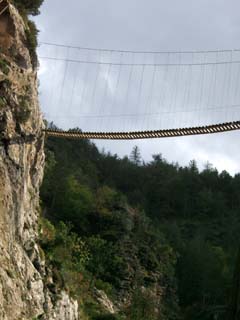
x: 116, y: 94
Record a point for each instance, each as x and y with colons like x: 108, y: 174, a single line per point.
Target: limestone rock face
x: 65, y: 308
x: 23, y: 293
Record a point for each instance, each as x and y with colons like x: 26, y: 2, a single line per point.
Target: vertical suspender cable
x: 175, y: 96
x: 84, y: 84
x: 95, y: 85
x: 214, y: 101
x: 187, y: 83
x: 73, y: 91
x: 210, y: 85
x: 228, y: 114
x: 223, y: 95
x: 64, y: 80
x: 114, y: 99
x: 53, y: 81
x: 151, y: 94
x: 163, y: 89
x: 236, y: 93
x: 139, y: 95
x: 201, y: 90
x: 128, y: 119
x: 102, y: 107
x: 191, y: 79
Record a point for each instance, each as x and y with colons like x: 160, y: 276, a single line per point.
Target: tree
x: 135, y: 156
x: 28, y: 6
x: 74, y: 203
x: 234, y: 307
x: 193, y: 166
x: 157, y: 158
x: 107, y: 200
x: 192, y: 244
x: 143, y: 306
x: 203, y: 275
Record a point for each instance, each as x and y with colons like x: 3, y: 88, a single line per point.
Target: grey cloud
x: 150, y: 25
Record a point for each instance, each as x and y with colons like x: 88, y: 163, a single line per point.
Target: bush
x: 32, y: 43
x: 65, y: 252
x: 4, y: 66
x: 104, y: 286
x: 47, y: 231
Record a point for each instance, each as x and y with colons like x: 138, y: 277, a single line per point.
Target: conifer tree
x: 135, y: 156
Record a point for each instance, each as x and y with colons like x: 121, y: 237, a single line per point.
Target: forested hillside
x: 129, y: 240
x: 159, y: 239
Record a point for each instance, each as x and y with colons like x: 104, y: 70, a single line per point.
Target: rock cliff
x: 24, y: 292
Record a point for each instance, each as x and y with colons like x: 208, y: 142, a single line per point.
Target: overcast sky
x: 153, y: 25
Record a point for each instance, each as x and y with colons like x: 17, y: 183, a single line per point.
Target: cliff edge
x: 24, y: 292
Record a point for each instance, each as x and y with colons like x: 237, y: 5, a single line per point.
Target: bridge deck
x: 224, y: 127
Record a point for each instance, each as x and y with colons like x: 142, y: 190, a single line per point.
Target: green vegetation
x: 122, y: 250
x: 138, y: 227
x: 159, y: 239
x: 32, y: 43
x: 111, y: 204
x: 66, y: 253
x: 28, y: 7
x: 4, y: 67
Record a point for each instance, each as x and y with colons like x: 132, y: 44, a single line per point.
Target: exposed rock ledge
x: 23, y: 292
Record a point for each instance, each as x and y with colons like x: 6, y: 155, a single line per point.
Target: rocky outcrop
x: 23, y: 293
x: 64, y: 308
x: 104, y: 301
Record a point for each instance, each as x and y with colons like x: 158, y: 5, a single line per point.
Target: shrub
x: 104, y: 286
x: 4, y: 66
x: 32, y: 43
x: 48, y: 231
x: 66, y: 253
